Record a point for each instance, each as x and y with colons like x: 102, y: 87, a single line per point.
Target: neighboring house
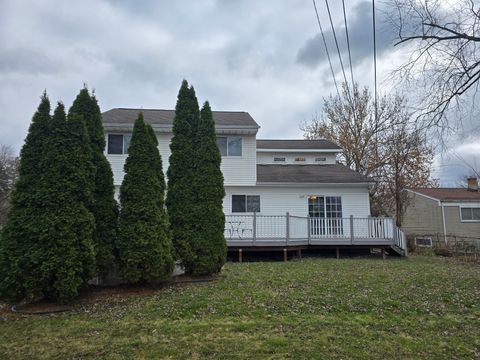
x: 266, y: 179
x: 441, y: 213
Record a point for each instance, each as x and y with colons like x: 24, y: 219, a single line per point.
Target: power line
x: 326, y: 47
x: 336, y: 44
x: 348, y: 47
x: 375, y: 62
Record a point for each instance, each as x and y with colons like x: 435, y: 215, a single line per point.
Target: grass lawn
x: 421, y: 307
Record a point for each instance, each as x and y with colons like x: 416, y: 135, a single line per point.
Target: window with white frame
x: 470, y: 214
x: 245, y: 203
x: 230, y: 145
x: 325, y: 206
x: 118, y: 144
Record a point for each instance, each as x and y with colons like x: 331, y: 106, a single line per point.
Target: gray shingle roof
x: 165, y: 117
x: 334, y: 173
x: 297, y: 144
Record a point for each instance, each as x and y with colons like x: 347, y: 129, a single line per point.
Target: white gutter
x: 444, y: 225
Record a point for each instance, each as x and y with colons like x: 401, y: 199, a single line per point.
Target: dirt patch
x: 97, y: 294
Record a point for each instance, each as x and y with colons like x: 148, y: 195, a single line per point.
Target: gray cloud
x: 312, y: 53
x: 240, y: 55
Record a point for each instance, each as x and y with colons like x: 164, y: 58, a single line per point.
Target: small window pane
x: 238, y: 203
x: 253, y: 203
x: 476, y: 213
x: 235, y: 146
x: 126, y: 143
x: 278, y: 159
x: 467, y: 214
x: 222, y: 145
x: 115, y: 144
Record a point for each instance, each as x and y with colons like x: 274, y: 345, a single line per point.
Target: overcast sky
x: 264, y: 57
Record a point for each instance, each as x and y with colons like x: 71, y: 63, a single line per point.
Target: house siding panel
x: 241, y: 170
x: 456, y: 227
x: 236, y: 170
x: 279, y: 200
x: 423, y: 216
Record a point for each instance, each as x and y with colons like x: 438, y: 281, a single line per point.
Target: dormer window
x: 118, y: 144
x: 279, y: 159
x: 230, y: 145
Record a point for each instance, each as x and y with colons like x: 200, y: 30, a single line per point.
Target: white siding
x: 267, y: 158
x: 239, y: 170
x: 279, y: 200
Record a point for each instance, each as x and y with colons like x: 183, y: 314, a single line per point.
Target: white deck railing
x: 287, y: 229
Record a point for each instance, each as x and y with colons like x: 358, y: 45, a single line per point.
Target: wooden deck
x: 279, y: 232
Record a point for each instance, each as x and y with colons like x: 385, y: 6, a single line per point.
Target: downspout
x: 444, y: 225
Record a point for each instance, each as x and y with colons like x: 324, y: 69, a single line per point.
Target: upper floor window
x: 230, y: 145
x: 320, y: 159
x: 470, y: 214
x: 118, y: 143
x: 278, y: 159
x: 300, y: 159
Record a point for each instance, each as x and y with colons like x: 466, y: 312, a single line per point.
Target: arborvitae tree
x: 180, y: 194
x: 209, y: 246
x: 104, y: 207
x: 144, y: 243
x: 20, y: 245
x: 71, y: 252
x: 53, y: 230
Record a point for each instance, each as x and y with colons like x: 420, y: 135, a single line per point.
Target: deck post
x: 287, y: 229
x: 309, y: 229
x: 351, y: 230
x: 240, y: 255
x: 254, y: 230
x: 383, y: 253
x: 338, y: 253
x: 285, y: 255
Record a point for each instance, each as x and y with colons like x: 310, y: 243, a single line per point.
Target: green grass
x: 419, y: 307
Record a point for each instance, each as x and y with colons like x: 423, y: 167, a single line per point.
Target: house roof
x: 449, y: 194
x: 297, y: 144
x: 335, y: 173
x: 165, y: 117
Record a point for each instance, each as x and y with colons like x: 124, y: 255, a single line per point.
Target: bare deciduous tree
x: 443, y: 40
x: 389, y: 149
x: 8, y: 176
x: 350, y: 122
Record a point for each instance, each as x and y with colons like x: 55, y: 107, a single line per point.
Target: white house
x: 277, y: 191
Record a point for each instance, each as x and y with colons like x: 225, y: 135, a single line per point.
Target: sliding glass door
x: 325, y: 215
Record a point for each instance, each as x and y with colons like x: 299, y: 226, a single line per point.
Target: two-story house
x: 266, y: 178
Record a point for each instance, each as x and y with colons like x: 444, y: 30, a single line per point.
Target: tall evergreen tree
x: 209, y: 245
x: 20, y: 247
x: 144, y: 243
x: 180, y: 194
x: 50, y: 225
x: 103, y: 207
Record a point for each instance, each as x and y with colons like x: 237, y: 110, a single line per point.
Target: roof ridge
x: 152, y: 109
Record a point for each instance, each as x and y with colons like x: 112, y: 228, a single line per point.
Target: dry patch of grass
x: 317, y: 308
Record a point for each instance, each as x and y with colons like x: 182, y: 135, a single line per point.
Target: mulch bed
x: 95, y: 294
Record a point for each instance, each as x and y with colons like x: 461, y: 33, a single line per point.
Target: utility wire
x: 326, y: 47
x: 348, y: 47
x: 336, y: 44
x: 375, y: 62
